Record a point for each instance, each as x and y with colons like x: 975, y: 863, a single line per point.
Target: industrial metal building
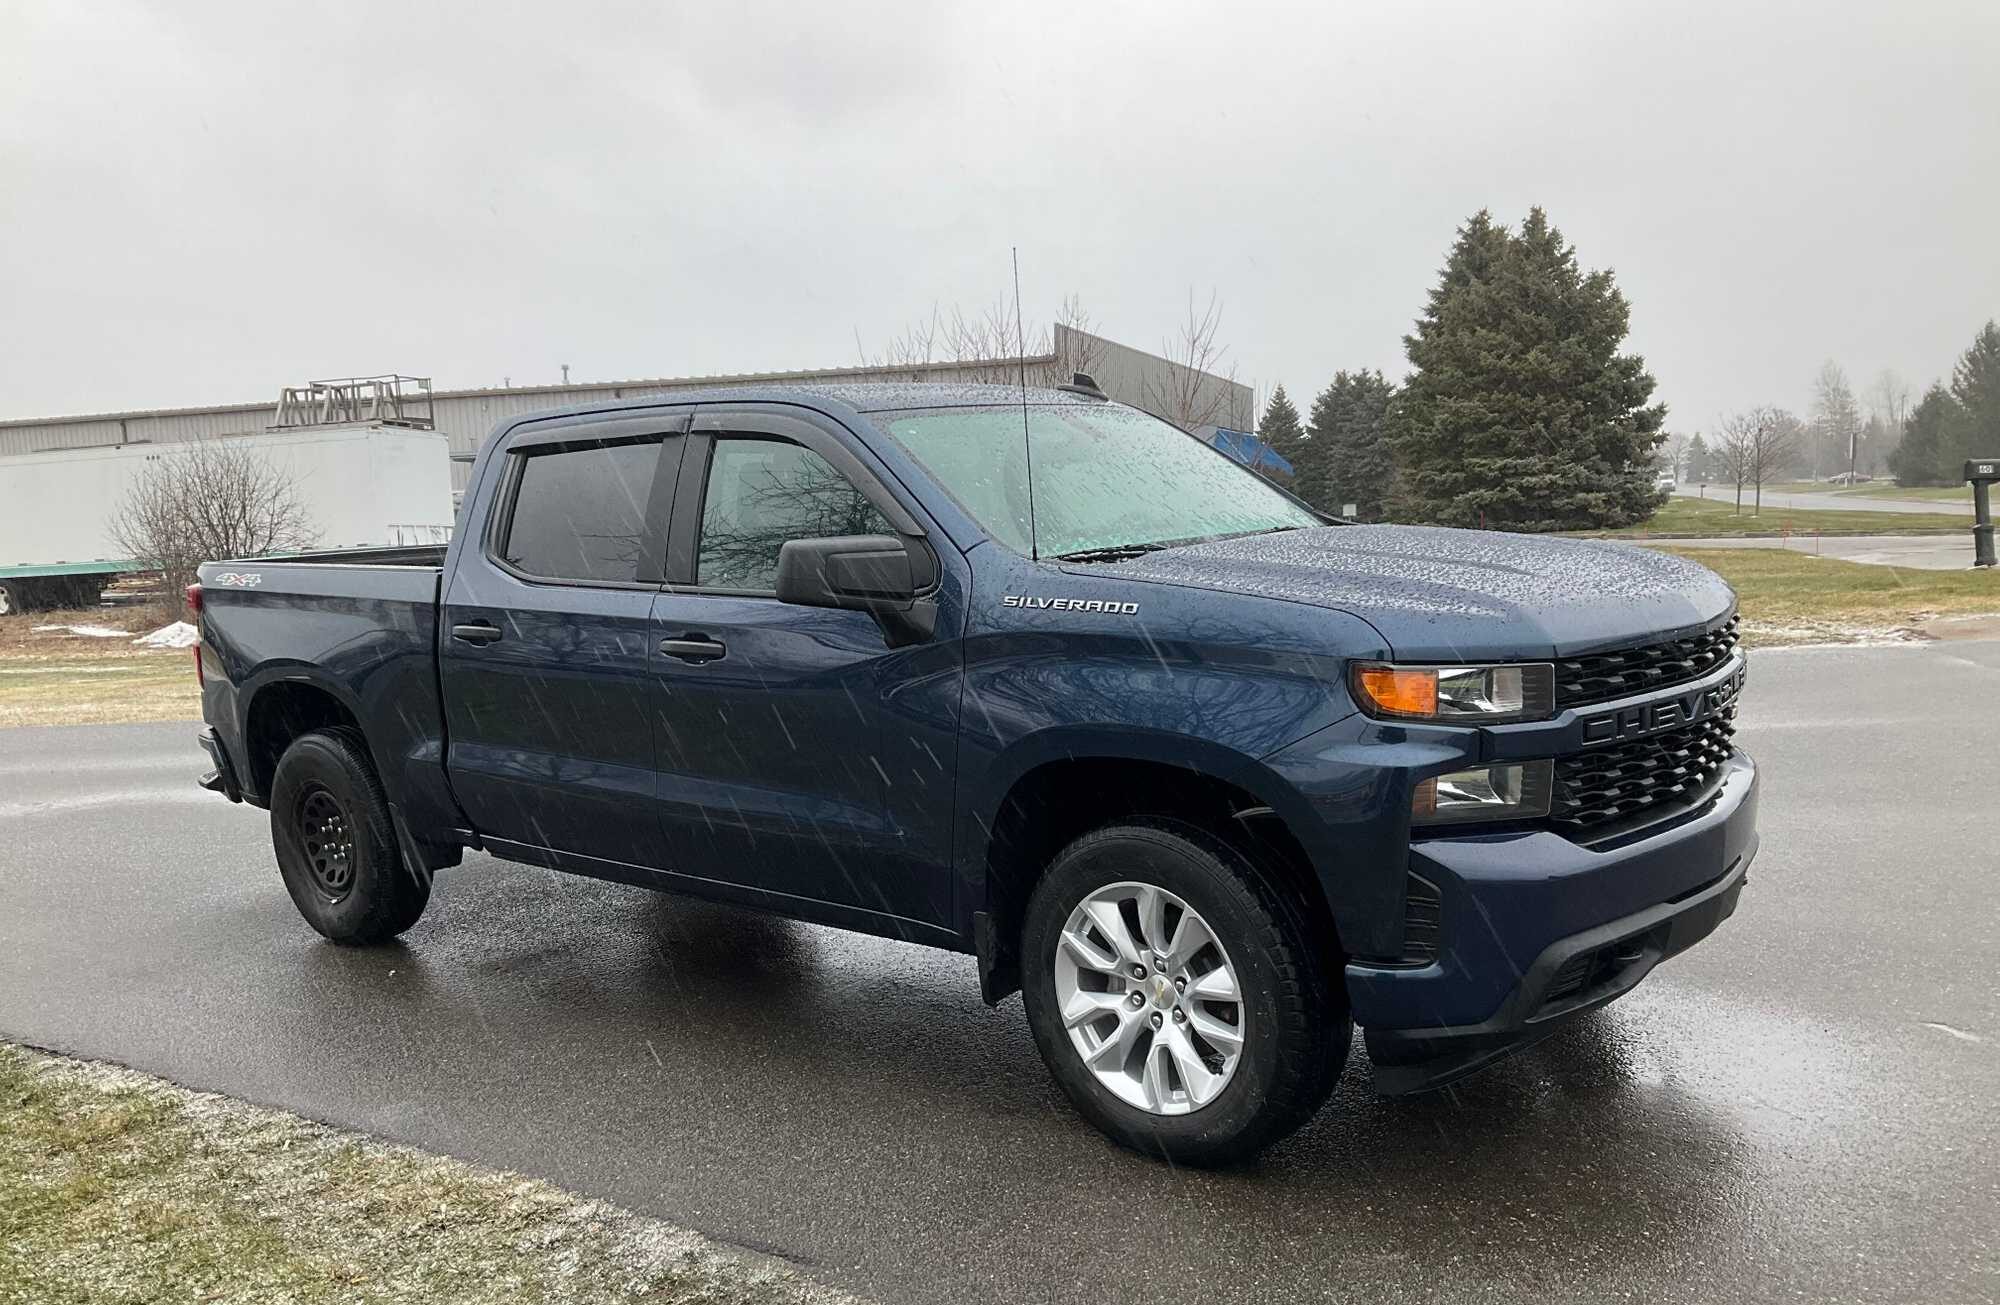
x: 1128, y: 375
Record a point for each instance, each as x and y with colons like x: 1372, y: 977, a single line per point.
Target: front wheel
x: 336, y: 844
x: 1176, y: 996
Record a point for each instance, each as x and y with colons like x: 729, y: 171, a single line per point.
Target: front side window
x: 580, y: 513
x: 762, y: 492
x: 1106, y: 478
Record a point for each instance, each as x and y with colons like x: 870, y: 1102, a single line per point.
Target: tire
x: 336, y: 844
x: 11, y: 603
x: 1289, y: 1016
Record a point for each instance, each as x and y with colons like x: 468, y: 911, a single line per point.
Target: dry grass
x: 118, y: 1188
x: 1793, y: 597
x: 51, y: 677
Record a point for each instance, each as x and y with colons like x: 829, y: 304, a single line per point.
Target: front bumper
x: 1537, y: 929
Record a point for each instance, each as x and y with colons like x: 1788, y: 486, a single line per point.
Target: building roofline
x: 717, y: 381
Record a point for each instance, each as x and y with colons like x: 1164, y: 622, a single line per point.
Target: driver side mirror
x: 879, y: 574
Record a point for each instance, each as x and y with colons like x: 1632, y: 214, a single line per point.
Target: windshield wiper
x: 1126, y: 552
x: 1114, y: 553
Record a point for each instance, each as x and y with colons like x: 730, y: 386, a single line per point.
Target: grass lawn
x: 1696, y: 517
x: 56, y: 677
x: 1793, y: 597
x: 117, y: 1189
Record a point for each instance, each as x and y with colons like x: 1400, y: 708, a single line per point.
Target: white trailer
x: 363, y: 484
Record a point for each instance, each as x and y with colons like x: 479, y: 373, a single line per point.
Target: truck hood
x: 1443, y: 595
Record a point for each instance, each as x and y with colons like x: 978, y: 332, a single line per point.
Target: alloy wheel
x: 1150, y: 998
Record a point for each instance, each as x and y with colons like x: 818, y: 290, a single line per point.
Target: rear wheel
x: 1176, y: 995
x: 336, y: 843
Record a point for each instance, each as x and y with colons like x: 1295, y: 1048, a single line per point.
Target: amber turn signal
x: 1400, y: 691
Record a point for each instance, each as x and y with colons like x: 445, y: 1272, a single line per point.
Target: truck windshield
x: 1109, y: 482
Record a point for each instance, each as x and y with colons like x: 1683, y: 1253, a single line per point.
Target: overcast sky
x: 201, y: 202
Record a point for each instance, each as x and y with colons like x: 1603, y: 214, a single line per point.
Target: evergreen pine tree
x: 1280, y: 428
x: 1350, y: 457
x: 1520, y: 413
x: 1697, y: 460
x: 1920, y: 458
x: 1975, y: 384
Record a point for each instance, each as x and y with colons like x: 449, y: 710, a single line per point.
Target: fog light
x: 1516, y: 791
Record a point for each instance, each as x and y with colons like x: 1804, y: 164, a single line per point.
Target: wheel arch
x: 282, y: 708
x: 1048, y: 791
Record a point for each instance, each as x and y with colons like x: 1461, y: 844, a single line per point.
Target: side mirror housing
x: 879, y: 574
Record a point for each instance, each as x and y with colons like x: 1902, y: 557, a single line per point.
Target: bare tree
x: 1889, y: 405
x: 1189, y: 392
x: 204, y: 501
x: 1752, y: 446
x: 1675, y: 450
x: 1731, y: 452
x: 1836, y: 420
x: 1075, y: 347
x: 991, y: 347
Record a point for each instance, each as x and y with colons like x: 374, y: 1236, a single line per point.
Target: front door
x: 547, y: 654
x: 783, y: 764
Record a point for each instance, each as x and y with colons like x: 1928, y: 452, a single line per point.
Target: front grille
x: 1603, y: 786
x: 1603, y: 677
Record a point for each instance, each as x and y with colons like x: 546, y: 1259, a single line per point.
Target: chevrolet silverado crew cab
x: 1029, y: 675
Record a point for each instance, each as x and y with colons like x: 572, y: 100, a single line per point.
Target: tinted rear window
x: 580, y: 514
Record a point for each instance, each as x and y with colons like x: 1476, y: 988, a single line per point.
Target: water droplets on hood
x: 1403, y: 577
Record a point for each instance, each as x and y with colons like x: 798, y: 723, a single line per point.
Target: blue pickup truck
x: 1205, y: 777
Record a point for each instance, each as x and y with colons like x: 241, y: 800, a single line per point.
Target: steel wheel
x: 1150, y: 998
x: 329, y: 843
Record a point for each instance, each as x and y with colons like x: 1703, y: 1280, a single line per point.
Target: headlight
x: 1456, y: 695
x: 1515, y: 791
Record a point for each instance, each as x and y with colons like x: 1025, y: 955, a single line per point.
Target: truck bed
x: 282, y: 637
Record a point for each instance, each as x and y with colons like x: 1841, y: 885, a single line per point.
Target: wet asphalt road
x: 1828, y: 502
x: 1804, y: 1107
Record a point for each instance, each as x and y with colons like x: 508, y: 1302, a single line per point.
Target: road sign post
x: 1982, y: 472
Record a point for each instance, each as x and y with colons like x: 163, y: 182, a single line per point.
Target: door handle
x: 476, y: 632
x: 694, y: 648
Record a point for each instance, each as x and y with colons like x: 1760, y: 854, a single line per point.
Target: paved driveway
x: 1922, y: 552
x: 1801, y: 1108
x: 1831, y: 502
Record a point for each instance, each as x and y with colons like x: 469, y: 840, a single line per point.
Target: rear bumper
x: 223, y: 778
x: 1537, y: 929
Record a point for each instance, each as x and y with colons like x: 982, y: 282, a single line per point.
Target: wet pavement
x: 1921, y: 552
x: 1826, y: 501
x: 1804, y: 1107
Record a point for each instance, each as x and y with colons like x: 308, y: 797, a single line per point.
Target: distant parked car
x: 1667, y: 480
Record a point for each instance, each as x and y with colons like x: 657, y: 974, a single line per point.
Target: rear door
x: 798, y: 753
x: 547, y: 655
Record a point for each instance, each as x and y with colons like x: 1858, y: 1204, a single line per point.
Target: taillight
x: 194, y: 607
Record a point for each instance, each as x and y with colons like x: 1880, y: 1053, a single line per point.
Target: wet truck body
x: 1207, y: 778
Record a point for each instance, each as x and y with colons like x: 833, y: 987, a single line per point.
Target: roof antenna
x: 1027, y: 444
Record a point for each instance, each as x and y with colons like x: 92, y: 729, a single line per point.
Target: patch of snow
x: 178, y: 635
x: 87, y: 631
